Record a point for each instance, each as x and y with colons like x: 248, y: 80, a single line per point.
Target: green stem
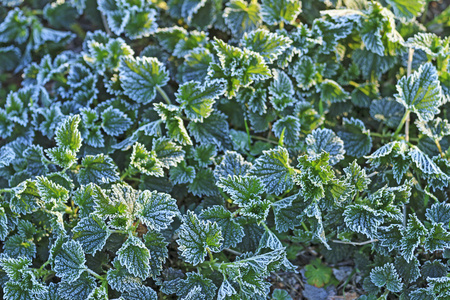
x: 163, y: 94
x: 439, y: 148
x: 281, y: 25
x: 95, y: 274
x: 105, y: 24
x: 6, y: 190
x: 249, y: 138
x: 264, y: 139
x: 211, y: 257
x: 402, y: 122
x: 124, y: 175
x: 380, y: 135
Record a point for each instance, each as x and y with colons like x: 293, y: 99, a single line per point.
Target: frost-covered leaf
x: 363, y: 219
x: 386, y: 276
x: 274, y: 12
x: 428, y: 42
x: 437, y: 239
x: 415, y: 231
x: 140, y: 293
x: 232, y: 164
x: 325, y: 140
x: 203, y: 287
x: 67, y: 135
x: 135, y: 257
x: 203, y: 184
x: 214, y: 129
x: 120, y: 279
x: 140, y: 77
x: 289, y: 126
x: 439, y: 213
x: 182, y: 173
x: 269, y: 45
x: 387, y: 111
x: 274, y: 170
x: 242, y: 189
x: 333, y: 92
x: 357, y: 140
x: 241, y: 16
x: 99, y: 169
x: 435, y: 129
x: 115, y: 122
x: 281, y: 90
x: 196, y: 237
x: 158, y: 210
x: 408, y: 271
x: 232, y: 231
x: 168, y: 153
x: 92, y: 233
x: 406, y: 10
x: 197, y: 100
x: 7, y: 155
x: 170, y: 114
x: 51, y: 191
x: 157, y: 246
x: 81, y: 287
x: 70, y: 261
x: 421, y: 92
x: 146, y: 161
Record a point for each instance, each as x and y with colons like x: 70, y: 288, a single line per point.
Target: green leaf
x: 281, y: 90
x: 232, y: 231
x: 120, y: 279
x: 387, y: 111
x: 408, y: 271
x: 170, y: 114
x: 205, y: 154
x: 213, y: 130
x: 92, y: 233
x: 99, y: 169
x: 62, y: 156
x: 168, y: 153
x: 35, y: 160
x: 157, y: 246
x: 435, y: 129
x: 17, y: 245
x: 158, y: 210
x: 182, y: 174
x: 232, y: 164
x: 67, y: 135
x: 407, y: 10
x: 140, y: 293
x: 269, y: 45
x: 51, y: 191
x: 439, y: 213
x: 146, y: 162
x: 201, y: 285
x: 274, y: 12
x: 114, y: 121
x: 196, y: 237
x: 357, y: 140
x: 203, y: 184
x: 135, y: 257
x: 243, y: 190
x: 415, y: 231
x: 14, y: 267
x: 279, y: 294
x: 332, y: 91
x: 421, y: 92
x: 70, y: 261
x: 197, y: 100
x: 438, y: 239
x: 386, y: 276
x: 7, y: 156
x: 81, y: 287
x: 363, y: 219
x: 428, y: 42
x: 274, y: 170
x: 290, y: 126
x: 318, y: 274
x: 241, y: 16
x: 141, y: 76
x: 325, y: 140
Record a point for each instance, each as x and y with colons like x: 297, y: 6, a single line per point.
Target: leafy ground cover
x: 215, y: 149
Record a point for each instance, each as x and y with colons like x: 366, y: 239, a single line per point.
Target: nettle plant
x: 190, y: 149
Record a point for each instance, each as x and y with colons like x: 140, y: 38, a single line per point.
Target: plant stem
x: 105, y: 24
x: 249, y: 138
x: 163, y: 94
x: 232, y: 251
x: 256, y: 137
x: 439, y: 148
x: 408, y: 73
x: 6, y: 190
x: 402, y: 122
x: 211, y: 257
x: 124, y: 175
x: 355, y: 243
x: 95, y: 274
x: 380, y: 135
